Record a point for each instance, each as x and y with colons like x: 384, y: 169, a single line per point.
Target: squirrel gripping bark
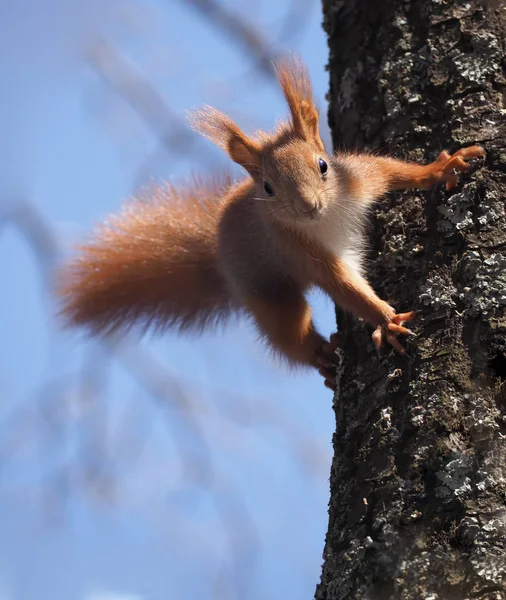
x: 187, y: 257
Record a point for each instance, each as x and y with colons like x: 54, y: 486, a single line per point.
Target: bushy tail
x: 153, y: 264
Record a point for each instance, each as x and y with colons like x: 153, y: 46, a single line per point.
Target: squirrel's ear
x: 293, y: 77
x: 222, y: 131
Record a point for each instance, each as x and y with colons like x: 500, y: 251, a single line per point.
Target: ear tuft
x: 213, y: 125
x: 222, y: 131
x: 293, y: 77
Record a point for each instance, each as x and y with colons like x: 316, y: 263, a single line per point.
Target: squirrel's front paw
x: 327, y: 359
x: 447, y: 166
x: 390, y: 331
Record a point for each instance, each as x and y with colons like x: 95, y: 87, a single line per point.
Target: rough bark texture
x: 418, y: 482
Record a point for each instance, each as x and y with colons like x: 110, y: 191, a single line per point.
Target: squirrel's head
x: 292, y: 172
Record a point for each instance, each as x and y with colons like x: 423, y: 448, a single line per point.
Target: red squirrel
x: 190, y: 256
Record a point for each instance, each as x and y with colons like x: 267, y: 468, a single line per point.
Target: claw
x: 323, y: 361
x: 401, y: 318
x: 331, y: 385
x: 471, y: 152
x: 399, y: 330
x: 394, y: 342
x: 329, y: 377
x: 391, y: 330
x: 447, y: 167
x: 377, y: 338
x: 326, y: 360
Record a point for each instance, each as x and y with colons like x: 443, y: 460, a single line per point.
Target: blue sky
x: 146, y: 526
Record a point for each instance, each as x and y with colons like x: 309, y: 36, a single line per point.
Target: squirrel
x: 190, y: 256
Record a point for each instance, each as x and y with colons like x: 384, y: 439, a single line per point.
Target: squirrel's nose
x: 306, y: 205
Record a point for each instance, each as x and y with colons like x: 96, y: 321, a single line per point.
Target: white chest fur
x: 340, y: 231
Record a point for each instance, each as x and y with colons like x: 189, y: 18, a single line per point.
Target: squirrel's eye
x: 268, y: 189
x: 323, y: 166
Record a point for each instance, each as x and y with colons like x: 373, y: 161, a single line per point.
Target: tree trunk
x: 418, y: 481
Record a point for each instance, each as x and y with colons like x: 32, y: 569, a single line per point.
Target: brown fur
x: 293, y: 77
x: 153, y: 264
x: 188, y: 257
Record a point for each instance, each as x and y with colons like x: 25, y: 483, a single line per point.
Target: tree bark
x: 418, y: 481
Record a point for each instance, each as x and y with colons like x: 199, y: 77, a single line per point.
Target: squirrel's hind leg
x: 284, y: 320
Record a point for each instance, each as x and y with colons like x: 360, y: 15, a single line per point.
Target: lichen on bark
x: 418, y: 481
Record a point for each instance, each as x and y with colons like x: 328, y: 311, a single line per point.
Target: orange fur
x: 371, y: 176
x: 153, y: 264
x: 188, y: 257
x: 353, y: 293
x: 286, y: 324
x: 293, y: 77
x: 222, y: 131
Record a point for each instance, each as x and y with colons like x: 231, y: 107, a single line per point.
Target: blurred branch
x: 122, y: 77
x: 236, y: 28
x: 24, y: 216
x: 70, y: 430
x: 295, y: 20
x: 170, y: 393
x: 293, y: 23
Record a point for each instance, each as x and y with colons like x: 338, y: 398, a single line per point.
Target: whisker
x: 282, y: 206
